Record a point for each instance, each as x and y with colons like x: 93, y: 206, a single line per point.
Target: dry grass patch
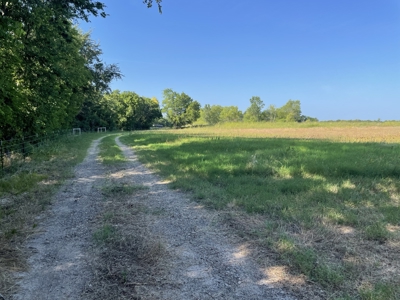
x: 379, y: 134
x: 127, y: 257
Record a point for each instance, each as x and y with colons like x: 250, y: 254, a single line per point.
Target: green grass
x: 306, y: 260
x: 110, y: 153
x: 20, y: 182
x: 311, y: 184
x: 104, y: 234
x: 52, y: 161
x: 381, y: 291
x: 348, y: 184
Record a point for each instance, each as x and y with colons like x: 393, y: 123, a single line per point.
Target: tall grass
x: 313, y: 185
x: 295, y: 179
x: 380, y: 132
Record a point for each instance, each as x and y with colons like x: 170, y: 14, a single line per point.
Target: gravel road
x: 205, y: 260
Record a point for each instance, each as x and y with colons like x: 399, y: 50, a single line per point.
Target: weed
x: 377, y: 232
x: 108, y: 216
x: 104, y: 234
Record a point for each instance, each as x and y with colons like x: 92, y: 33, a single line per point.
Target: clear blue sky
x: 340, y: 58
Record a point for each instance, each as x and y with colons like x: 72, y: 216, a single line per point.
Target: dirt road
x: 204, y: 260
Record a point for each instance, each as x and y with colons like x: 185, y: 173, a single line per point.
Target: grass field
x: 328, y: 197
x: 380, y: 132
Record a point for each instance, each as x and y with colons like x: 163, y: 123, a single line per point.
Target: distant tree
x: 180, y: 109
x: 137, y: 112
x: 101, y: 111
x: 163, y: 122
x: 270, y: 114
x: 211, y: 113
x: 125, y: 110
x: 253, y: 113
x: 304, y: 118
x: 290, y: 112
x: 230, y: 114
x: 193, y: 112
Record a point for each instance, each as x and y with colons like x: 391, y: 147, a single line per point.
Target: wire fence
x: 15, y: 151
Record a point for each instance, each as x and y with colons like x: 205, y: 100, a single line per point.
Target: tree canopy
x: 50, y: 71
x: 290, y: 112
x: 230, y: 114
x: 253, y: 113
x: 49, y: 68
x: 211, y: 114
x: 119, y: 110
x: 180, y: 109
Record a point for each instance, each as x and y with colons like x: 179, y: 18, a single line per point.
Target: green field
x: 329, y: 208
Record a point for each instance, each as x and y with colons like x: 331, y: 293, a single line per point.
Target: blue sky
x: 340, y: 58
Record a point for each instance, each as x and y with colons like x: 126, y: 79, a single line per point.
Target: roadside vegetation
x: 327, y: 197
x: 26, y: 193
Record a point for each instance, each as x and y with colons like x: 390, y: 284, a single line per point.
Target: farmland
x: 323, y: 198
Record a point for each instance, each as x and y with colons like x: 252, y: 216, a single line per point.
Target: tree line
x: 180, y: 110
x: 290, y: 112
x: 129, y: 111
x: 119, y: 110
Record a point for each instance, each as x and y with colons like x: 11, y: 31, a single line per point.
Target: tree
x: 253, y: 113
x: 180, y: 109
x: 49, y: 70
x: 231, y: 114
x: 211, y: 113
x: 137, y: 112
x: 290, y: 112
x: 100, y: 111
x: 125, y: 110
x: 270, y: 114
x: 46, y: 80
x: 94, y: 103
